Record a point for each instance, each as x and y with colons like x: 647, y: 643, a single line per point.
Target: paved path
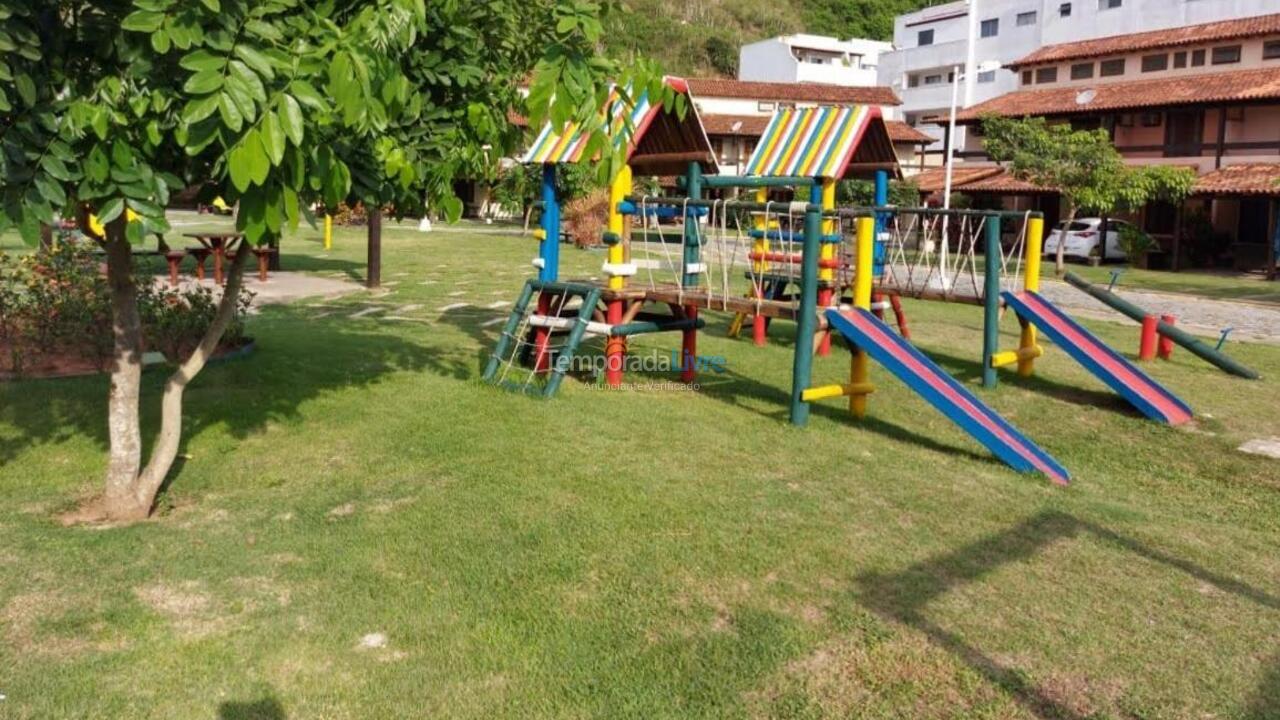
x: 280, y: 287
x: 1254, y: 322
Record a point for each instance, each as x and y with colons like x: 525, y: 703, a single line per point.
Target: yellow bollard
x: 1031, y: 282
x: 618, y: 191
x: 860, y: 365
x: 328, y: 232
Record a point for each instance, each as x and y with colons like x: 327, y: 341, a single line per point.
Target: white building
x: 812, y: 58
x: 932, y: 43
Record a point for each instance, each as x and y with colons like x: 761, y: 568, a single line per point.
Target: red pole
x: 901, y: 315
x: 759, y: 327
x: 542, y: 337
x: 824, y: 344
x: 689, y: 346
x: 1166, y: 343
x: 616, y: 347
x: 1147, y: 340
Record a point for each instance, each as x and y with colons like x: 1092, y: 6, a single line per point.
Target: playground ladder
x: 511, y: 366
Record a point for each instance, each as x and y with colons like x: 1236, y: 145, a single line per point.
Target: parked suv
x: 1083, y: 239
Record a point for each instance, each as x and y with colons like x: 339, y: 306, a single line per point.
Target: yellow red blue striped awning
x: 567, y: 145
x: 811, y: 142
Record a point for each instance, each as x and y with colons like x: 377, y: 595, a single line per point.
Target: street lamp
x: 956, y: 77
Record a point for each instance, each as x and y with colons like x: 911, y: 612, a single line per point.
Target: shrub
x: 1135, y: 243
x: 586, y: 218
x: 55, y: 311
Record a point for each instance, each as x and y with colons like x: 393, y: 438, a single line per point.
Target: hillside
x: 702, y: 37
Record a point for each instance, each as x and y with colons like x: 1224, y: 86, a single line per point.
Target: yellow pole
x: 1031, y: 283
x: 859, y: 367
x: 618, y: 191
x: 829, y: 250
x: 761, y: 245
x: 328, y: 231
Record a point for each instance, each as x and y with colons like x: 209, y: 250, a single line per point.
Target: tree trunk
x: 1060, y: 260
x: 170, y: 435
x: 124, y: 431
x: 374, y: 275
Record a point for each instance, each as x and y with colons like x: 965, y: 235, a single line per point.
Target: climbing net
x: 935, y: 255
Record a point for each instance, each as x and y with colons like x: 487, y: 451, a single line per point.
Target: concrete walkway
x: 280, y: 288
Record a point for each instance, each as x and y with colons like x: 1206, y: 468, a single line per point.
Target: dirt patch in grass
x: 24, y: 619
x: 902, y: 676
x: 189, y: 609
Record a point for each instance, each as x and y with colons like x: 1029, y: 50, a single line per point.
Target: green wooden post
x: 692, y: 248
x: 991, y: 303
x: 807, y: 319
x: 508, y: 332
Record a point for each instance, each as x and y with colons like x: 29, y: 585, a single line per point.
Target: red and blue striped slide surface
x: 1118, y: 373
x: 942, y: 391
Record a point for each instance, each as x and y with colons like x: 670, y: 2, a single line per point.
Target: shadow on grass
x: 969, y: 371
x: 903, y: 597
x: 296, y: 361
x: 267, y: 708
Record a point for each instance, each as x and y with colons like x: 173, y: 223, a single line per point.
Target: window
x: 932, y: 79
x: 764, y: 106
x: 1026, y: 77
x: 990, y: 28
x: 1046, y: 75
x: 1180, y: 59
x: 1082, y: 71
x: 1197, y: 58
x: 987, y: 77
x: 1111, y: 68
x: 924, y: 37
x: 1064, y: 10
x: 1026, y: 18
x: 1110, y: 4
x: 1271, y: 50
x: 913, y: 81
x: 786, y: 106
x: 1155, y: 63
x: 1226, y: 55
x: 1152, y: 120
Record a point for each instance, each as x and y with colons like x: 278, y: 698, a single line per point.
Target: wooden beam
x: 1220, y: 150
x: 650, y: 159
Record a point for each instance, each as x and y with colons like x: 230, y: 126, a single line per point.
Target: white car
x: 1082, y: 239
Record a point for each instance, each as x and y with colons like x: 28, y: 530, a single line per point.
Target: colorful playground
x: 872, y: 471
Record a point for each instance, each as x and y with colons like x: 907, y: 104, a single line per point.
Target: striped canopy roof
x: 812, y: 142
x: 567, y: 146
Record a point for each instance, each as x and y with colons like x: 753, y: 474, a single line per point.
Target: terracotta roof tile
x: 748, y: 125
x: 1261, y: 179
x: 796, y: 92
x: 900, y: 132
x: 934, y: 179
x: 1172, y: 37
x: 1185, y: 90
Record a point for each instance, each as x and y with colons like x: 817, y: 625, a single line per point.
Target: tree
x: 1082, y: 165
x: 109, y: 105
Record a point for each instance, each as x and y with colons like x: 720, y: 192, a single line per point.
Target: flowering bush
x: 55, y: 313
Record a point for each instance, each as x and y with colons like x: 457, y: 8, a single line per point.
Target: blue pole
x: 549, y: 251
x: 882, y: 219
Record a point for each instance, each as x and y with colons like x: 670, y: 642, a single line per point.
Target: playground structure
x: 836, y: 259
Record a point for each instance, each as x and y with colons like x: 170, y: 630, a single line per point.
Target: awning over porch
x: 1253, y: 180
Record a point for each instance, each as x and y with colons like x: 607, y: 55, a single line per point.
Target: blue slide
x: 942, y: 391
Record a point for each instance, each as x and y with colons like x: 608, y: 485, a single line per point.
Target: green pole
x: 991, y: 302
x: 692, y: 249
x: 508, y: 331
x: 807, y: 318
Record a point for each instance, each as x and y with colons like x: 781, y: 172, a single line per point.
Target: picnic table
x: 217, y: 243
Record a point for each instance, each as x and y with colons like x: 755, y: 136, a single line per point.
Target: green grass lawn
x: 643, y: 554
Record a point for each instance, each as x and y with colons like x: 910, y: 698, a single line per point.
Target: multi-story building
x: 811, y: 58
x: 735, y: 113
x: 932, y: 44
x: 1205, y: 97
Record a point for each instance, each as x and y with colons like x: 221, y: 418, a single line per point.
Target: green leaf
x: 291, y: 119
x: 263, y: 30
x: 51, y: 190
x: 307, y: 94
x: 26, y: 89
x: 452, y: 207
x: 98, y: 166
x: 249, y: 78
x: 259, y: 162
x: 101, y: 122
x: 146, y: 209
x: 56, y: 168
x: 205, y: 81
x: 199, y: 109
x: 231, y: 116
x: 110, y: 210
x: 255, y: 60
x: 160, y: 42
x: 213, y: 5
x: 238, y: 167
x: 29, y: 229
x: 273, y: 138
x: 142, y: 21
x: 291, y: 208
x: 121, y: 155
x: 135, y: 233
x: 202, y: 60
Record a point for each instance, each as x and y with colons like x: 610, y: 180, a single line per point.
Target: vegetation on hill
x: 702, y: 37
